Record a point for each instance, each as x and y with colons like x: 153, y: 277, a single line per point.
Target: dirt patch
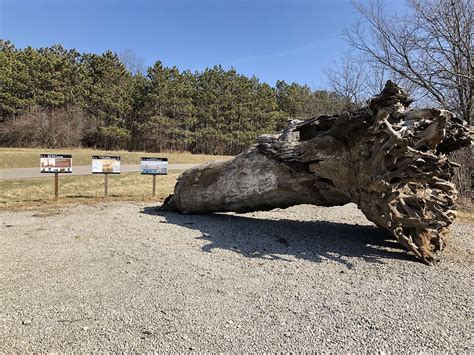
x: 46, y: 213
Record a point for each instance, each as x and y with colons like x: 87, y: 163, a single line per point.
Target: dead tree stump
x: 387, y: 159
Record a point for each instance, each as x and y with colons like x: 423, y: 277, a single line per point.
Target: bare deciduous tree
x: 430, y: 46
x: 47, y: 128
x: 348, y: 79
x: 357, y: 79
x: 132, y: 62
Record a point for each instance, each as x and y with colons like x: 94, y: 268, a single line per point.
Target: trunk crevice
x: 387, y: 159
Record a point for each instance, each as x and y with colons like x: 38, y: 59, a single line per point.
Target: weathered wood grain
x: 387, y: 159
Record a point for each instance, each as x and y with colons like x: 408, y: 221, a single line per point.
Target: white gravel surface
x: 123, y: 277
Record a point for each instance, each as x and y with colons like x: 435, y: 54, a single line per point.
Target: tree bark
x: 387, y: 159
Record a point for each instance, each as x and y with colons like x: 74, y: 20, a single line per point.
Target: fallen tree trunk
x: 388, y: 160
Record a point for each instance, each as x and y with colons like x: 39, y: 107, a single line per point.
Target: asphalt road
x: 26, y: 173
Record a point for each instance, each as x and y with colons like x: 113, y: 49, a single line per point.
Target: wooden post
x: 154, y: 185
x: 56, y: 188
x: 106, y: 186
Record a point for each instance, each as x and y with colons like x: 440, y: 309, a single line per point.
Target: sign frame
x: 55, y: 156
x: 57, y: 171
x: 153, y: 171
x: 106, y: 157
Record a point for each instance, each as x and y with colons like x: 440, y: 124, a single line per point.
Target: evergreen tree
x: 16, y: 94
x: 108, y: 100
x: 215, y: 111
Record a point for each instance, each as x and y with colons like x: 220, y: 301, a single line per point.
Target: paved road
x: 26, y: 173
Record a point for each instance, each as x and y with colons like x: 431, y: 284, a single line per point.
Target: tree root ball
x: 388, y: 159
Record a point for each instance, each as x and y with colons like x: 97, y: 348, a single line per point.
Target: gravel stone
x: 122, y: 277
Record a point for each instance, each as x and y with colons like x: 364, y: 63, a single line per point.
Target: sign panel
x: 56, y: 163
x: 105, y: 164
x: 154, y: 166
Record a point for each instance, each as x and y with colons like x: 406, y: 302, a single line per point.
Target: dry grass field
x: 28, y: 157
x: 466, y: 215
x: 87, y: 189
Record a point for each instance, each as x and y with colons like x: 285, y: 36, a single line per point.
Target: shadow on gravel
x: 275, y: 239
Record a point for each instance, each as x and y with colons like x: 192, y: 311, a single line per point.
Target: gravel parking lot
x: 124, y: 277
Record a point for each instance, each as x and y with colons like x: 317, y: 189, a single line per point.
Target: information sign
x: 56, y: 163
x: 154, y: 166
x: 105, y: 164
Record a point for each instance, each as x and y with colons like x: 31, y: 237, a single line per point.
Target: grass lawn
x: 29, y: 157
x: 87, y: 189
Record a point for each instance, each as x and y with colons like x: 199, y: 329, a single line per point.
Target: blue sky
x: 272, y: 39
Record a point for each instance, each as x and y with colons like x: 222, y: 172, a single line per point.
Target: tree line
x: 56, y: 97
